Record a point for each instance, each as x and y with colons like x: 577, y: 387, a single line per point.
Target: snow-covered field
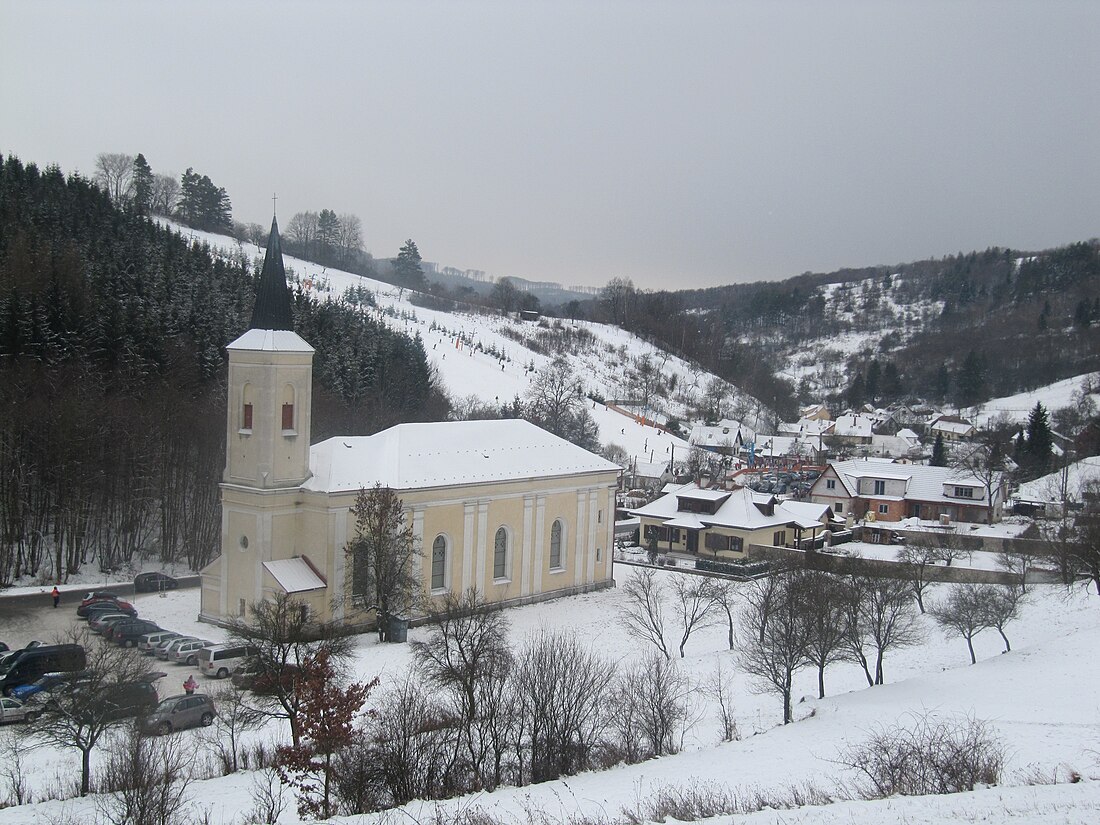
x: 1054, y: 396
x: 1040, y: 699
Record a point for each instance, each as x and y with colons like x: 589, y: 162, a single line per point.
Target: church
x: 501, y: 506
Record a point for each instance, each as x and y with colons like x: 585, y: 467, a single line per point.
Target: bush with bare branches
x: 926, y: 755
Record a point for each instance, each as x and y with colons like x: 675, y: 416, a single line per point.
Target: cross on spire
x: 274, y: 198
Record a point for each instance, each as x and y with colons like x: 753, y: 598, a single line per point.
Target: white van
x: 221, y: 660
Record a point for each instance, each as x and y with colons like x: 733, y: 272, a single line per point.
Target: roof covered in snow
x: 1048, y: 488
x: 446, y: 453
x: 922, y: 483
x: 271, y: 340
x: 740, y: 511
x: 294, y: 575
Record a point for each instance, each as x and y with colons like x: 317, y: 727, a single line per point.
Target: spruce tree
x: 1040, y: 442
x: 142, y: 185
x: 407, y: 266
x: 939, y: 452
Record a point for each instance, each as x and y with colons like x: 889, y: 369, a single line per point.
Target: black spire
x: 272, y: 310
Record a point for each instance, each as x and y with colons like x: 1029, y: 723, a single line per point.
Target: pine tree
x: 856, y: 390
x: 407, y: 266
x: 1040, y: 442
x: 971, y: 380
x: 328, y: 232
x: 939, y: 452
x: 891, y: 381
x: 871, y: 382
x: 142, y: 185
x: 943, y: 382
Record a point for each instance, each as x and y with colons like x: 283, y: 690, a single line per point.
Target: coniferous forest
x: 112, y: 378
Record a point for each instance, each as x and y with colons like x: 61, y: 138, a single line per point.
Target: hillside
x: 1031, y: 697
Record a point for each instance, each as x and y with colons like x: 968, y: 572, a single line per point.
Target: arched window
x: 555, y: 545
x: 288, y: 407
x: 439, y: 562
x: 500, y: 554
x: 246, y: 407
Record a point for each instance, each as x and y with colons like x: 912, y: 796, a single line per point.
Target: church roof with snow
x: 442, y: 454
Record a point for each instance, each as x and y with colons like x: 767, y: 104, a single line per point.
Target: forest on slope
x: 112, y: 364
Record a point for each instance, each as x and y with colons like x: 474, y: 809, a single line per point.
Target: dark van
x: 28, y: 665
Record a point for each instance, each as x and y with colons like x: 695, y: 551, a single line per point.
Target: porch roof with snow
x: 294, y: 575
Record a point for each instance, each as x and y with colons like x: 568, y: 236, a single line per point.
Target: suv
x: 126, y: 634
x: 178, y: 712
x: 222, y: 660
x: 28, y: 665
x: 165, y: 651
x: 154, y: 582
x: 124, y: 699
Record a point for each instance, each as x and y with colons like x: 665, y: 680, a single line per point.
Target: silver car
x: 12, y: 710
x: 187, y: 653
x: 165, y: 650
x: 150, y: 641
x: 178, y: 712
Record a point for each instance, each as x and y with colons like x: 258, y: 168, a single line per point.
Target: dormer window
x: 964, y: 492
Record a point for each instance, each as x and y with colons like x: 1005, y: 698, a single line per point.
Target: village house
x: 726, y: 437
x: 850, y: 429
x: 725, y: 523
x: 879, y: 490
x: 951, y: 427
x: 501, y: 506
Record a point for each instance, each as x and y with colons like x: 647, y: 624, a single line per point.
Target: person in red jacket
x: 190, y: 685
x: 56, y: 596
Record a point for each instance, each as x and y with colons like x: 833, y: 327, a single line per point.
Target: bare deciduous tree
x: 779, y: 642
x: 823, y: 597
x: 695, y: 605
x: 914, y: 562
x: 236, y: 716
x: 650, y: 708
x: 962, y: 613
x: 643, y: 609
x: 719, y: 690
x: 78, y: 718
x: 285, y: 635
x: 146, y: 780
x: 724, y: 593
x: 467, y: 657
x: 561, y: 683
x: 166, y: 194
x: 114, y: 171
x: 1001, y: 604
x: 880, y: 614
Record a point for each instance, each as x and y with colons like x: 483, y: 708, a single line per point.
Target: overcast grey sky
x: 678, y: 144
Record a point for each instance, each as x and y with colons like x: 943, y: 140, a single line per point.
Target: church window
x: 439, y: 563
x: 288, y: 407
x: 555, y: 545
x: 246, y: 407
x: 500, y: 554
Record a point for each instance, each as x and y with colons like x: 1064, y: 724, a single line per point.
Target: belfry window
x: 246, y: 407
x: 288, y: 407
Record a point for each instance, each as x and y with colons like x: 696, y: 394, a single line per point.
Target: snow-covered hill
x: 479, y: 355
x: 1038, y: 700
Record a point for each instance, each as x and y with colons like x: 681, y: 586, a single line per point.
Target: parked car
x: 99, y: 624
x: 46, y: 683
x: 12, y: 710
x: 154, y: 582
x: 164, y: 651
x: 97, y: 603
x: 127, y: 634
x: 108, y: 606
x: 187, y: 653
x: 134, y: 698
x: 222, y: 660
x: 28, y: 665
x: 179, y: 712
x: 149, y: 642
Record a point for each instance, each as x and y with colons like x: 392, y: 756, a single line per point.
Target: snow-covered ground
x: 1038, y: 699
x: 1054, y: 396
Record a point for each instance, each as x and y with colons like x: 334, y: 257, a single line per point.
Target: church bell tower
x: 270, y: 388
